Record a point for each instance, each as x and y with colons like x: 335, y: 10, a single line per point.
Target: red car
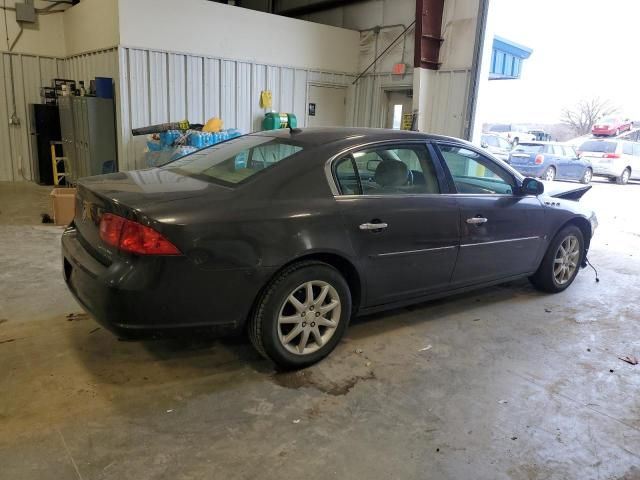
x: 611, y: 126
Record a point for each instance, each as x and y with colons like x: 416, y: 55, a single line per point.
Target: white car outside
x: 615, y: 159
x: 512, y: 132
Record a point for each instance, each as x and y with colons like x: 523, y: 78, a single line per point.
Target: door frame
x: 389, y: 89
x: 325, y: 85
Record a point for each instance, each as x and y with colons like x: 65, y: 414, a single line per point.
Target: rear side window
x: 234, y: 161
x: 636, y: 149
x: 627, y: 148
x: 598, y: 146
x: 390, y: 170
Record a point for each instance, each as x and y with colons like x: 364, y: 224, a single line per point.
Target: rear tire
x: 623, y: 179
x: 302, y: 315
x: 549, y: 174
x: 558, y: 270
x: 587, y: 176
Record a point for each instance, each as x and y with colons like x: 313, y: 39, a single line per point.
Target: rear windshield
x: 528, y: 148
x: 597, y: 146
x: 500, y: 128
x: 234, y: 161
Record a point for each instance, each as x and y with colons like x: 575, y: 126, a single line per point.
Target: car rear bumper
x: 604, y: 171
x: 158, y: 293
x: 530, y: 170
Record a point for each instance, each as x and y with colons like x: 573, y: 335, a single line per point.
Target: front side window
x: 389, y: 170
x: 474, y: 174
x: 569, y: 151
x: 234, y: 161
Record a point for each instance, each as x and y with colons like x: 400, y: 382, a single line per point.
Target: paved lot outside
x: 503, y: 383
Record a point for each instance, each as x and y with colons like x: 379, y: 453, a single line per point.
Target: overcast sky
x: 581, y: 49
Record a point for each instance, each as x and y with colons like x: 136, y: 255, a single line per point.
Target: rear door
x: 501, y: 231
x: 404, y: 231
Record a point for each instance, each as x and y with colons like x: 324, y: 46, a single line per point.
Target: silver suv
x: 617, y: 160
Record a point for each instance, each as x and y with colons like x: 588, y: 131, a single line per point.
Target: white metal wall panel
x: 300, y: 96
x: 186, y: 86
x: 177, y: 88
x: 211, y: 87
x: 228, y: 98
x: 287, y: 79
x: 158, y: 88
x: 139, y: 88
x: 245, y: 102
x: 449, y: 111
x: 30, y: 73
x: 195, y: 90
x: 258, y: 84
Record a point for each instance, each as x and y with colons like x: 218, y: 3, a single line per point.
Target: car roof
x: 311, y: 137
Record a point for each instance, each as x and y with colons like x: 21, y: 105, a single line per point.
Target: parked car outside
x: 496, y: 145
x: 617, y: 160
x: 312, y: 227
x: 550, y: 161
x: 512, y: 132
x: 611, y: 126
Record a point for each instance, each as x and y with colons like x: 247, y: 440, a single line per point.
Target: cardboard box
x: 63, y: 204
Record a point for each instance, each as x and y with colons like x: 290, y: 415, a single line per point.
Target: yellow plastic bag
x: 213, y: 125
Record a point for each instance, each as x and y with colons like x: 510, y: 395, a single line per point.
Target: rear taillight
x: 611, y: 155
x: 134, y: 237
x: 539, y: 159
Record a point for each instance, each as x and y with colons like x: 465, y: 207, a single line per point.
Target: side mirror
x: 484, y: 144
x: 531, y: 186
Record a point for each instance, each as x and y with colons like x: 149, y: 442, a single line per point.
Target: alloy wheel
x: 309, y: 317
x: 625, y: 176
x: 550, y: 174
x: 588, y: 175
x: 566, y: 260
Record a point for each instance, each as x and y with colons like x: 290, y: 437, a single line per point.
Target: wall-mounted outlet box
x: 25, y: 12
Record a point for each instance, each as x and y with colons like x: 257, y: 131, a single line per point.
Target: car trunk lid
x: 130, y: 195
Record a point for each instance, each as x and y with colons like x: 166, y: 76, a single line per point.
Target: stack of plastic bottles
x: 174, y: 144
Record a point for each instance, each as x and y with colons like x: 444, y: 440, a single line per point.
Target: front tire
x: 302, y: 315
x: 587, y: 176
x: 561, y: 262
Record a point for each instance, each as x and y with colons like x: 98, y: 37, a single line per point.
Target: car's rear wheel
x: 549, y: 174
x: 561, y: 262
x: 302, y: 315
x: 623, y: 179
x: 587, y: 176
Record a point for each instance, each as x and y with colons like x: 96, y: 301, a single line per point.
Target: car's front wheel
x: 302, y: 315
x: 587, y: 176
x: 561, y: 262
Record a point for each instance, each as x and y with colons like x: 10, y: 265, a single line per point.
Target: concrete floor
x: 501, y: 383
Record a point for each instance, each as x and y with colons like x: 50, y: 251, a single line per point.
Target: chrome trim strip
x: 498, y: 241
x: 409, y: 252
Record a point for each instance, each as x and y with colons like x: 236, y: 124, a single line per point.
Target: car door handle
x: 477, y: 220
x: 373, y: 226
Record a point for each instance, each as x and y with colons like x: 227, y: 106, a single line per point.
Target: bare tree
x: 585, y: 113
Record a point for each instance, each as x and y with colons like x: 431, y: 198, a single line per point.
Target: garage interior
x: 505, y: 382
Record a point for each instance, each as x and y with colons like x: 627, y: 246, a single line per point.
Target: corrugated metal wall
x: 449, y: 108
x: 30, y: 73
x: 17, y: 157
x: 158, y: 87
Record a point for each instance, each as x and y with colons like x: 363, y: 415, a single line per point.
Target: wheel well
x: 344, y: 266
x: 585, y: 228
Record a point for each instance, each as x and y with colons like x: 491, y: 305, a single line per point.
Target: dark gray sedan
x: 288, y: 234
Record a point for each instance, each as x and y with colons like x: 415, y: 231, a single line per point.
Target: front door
x: 327, y: 106
x: 403, y: 230
x: 501, y: 232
